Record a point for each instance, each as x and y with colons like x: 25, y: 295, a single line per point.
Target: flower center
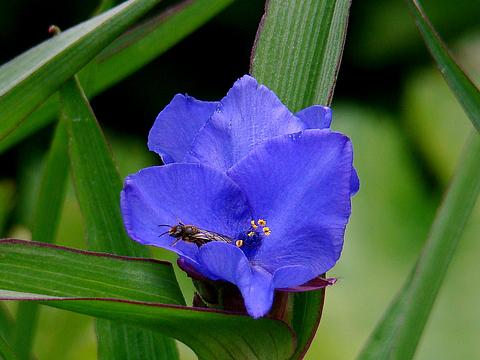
x: 250, y: 240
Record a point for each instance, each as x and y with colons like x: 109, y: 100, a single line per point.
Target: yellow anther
x: 267, y: 231
x: 239, y: 243
x: 253, y: 224
x: 251, y: 233
x: 262, y: 222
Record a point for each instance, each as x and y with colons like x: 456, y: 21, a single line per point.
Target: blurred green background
x: 406, y: 127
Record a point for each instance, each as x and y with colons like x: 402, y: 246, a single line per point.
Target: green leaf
x: 6, y: 352
x: 45, y: 224
x: 58, y: 271
x: 145, y: 42
x: 307, y: 311
x: 298, y: 50
x: 398, y: 334
x: 52, y: 188
x: 95, y: 176
x: 28, y: 80
x: 129, y: 290
x: 7, y: 323
x: 98, y: 187
x: 464, y: 89
x: 297, y: 54
x: 126, y: 55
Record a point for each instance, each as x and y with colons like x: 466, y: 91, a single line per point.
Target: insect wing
x: 208, y: 236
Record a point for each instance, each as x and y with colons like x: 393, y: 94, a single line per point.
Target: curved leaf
x: 128, y: 290
x: 464, y: 89
x: 28, y: 80
x: 307, y: 312
x: 47, y: 215
x: 60, y: 271
x: 98, y: 185
x: 127, y: 54
x: 96, y: 179
x: 398, y: 333
x: 143, y: 43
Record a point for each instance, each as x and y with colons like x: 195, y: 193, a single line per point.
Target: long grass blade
x: 400, y: 330
x: 98, y: 185
x: 298, y: 49
x: 127, y: 54
x: 135, y: 291
x: 45, y: 224
x: 29, y: 79
x: 461, y: 85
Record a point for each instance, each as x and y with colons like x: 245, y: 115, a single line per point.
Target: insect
x: 193, y: 234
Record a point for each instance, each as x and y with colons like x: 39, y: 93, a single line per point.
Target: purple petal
x: 300, y: 184
x: 354, y: 182
x: 226, y: 262
x: 258, y: 296
x: 314, y: 284
x: 175, y: 128
x: 320, y: 117
x: 316, y: 117
x: 248, y: 115
x: 191, y: 269
x: 191, y: 193
x: 288, y: 276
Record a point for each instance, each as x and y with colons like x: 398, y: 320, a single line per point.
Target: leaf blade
x: 45, y: 224
x: 90, y: 274
x: 464, y: 89
x: 130, y: 291
x: 7, y: 324
x: 98, y: 186
x: 5, y: 351
x: 151, y: 38
x: 307, y: 309
x: 143, y: 43
x: 95, y: 175
x: 288, y: 43
x: 26, y: 81
x: 398, y: 333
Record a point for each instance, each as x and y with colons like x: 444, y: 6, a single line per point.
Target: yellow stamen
x: 239, y: 243
x: 253, y: 224
x: 251, y: 233
x: 262, y: 222
x: 267, y: 231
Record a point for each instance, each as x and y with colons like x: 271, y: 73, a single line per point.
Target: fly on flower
x: 275, y: 221
x: 193, y: 234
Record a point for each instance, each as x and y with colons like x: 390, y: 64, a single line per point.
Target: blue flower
x: 276, y: 185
